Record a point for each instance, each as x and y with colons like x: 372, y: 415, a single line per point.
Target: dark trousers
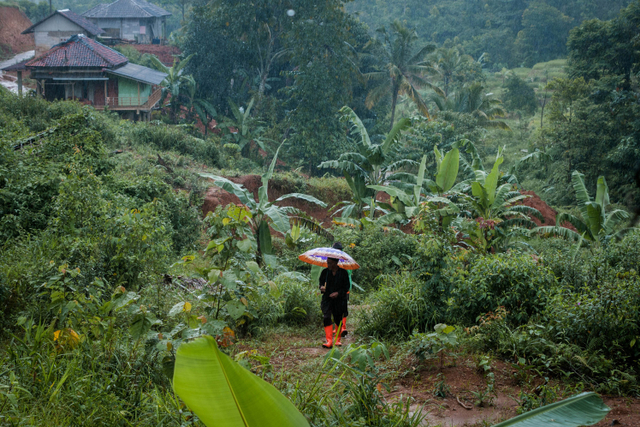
x: 335, y: 308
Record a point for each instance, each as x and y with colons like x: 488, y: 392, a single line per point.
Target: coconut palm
x: 404, y: 69
x: 473, y: 100
x: 450, y: 64
x: 594, y: 224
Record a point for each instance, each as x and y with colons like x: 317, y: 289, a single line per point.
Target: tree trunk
x: 394, y: 101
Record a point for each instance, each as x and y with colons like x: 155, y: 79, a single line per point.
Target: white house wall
x: 54, y: 30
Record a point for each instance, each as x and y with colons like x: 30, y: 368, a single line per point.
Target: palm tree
x: 404, y: 69
x: 450, y: 64
x: 369, y: 166
x: 593, y: 224
x: 473, y: 100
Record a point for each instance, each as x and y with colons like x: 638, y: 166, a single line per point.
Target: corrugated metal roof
x: 18, y: 66
x: 140, y: 74
x: 89, y: 27
x: 126, y: 9
x: 79, y: 51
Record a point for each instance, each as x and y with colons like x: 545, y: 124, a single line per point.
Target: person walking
x: 343, y: 331
x: 334, y: 286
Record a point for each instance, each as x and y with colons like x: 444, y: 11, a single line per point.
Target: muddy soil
x: 12, y: 23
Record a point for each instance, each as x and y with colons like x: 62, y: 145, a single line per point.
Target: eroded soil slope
x: 12, y: 23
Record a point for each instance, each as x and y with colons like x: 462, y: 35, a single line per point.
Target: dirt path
x: 458, y: 378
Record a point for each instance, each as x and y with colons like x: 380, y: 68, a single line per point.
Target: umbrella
x: 318, y: 256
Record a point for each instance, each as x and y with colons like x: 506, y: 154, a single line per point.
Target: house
x: 83, y: 69
x: 58, y: 27
x: 135, y: 20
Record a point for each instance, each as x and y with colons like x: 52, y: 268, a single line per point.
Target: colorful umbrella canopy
x: 318, y: 256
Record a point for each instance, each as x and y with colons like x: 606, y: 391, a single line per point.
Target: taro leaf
x: 582, y: 409
x: 235, y: 308
x: 222, y: 393
x: 253, y: 266
x: 244, y: 245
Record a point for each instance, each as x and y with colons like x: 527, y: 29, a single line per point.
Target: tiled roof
x: 79, y: 51
x: 126, y: 9
x: 89, y: 27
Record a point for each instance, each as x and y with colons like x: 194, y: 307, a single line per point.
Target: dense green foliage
x: 108, y: 265
x: 507, y: 33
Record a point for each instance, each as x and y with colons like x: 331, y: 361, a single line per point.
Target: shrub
x: 605, y: 318
x: 176, y: 139
x: 378, y: 252
x: 515, y: 281
x: 401, y: 305
x: 288, y: 301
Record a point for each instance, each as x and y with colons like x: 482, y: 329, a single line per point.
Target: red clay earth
x: 164, y: 53
x: 13, y: 22
x: 216, y: 196
x: 548, y: 214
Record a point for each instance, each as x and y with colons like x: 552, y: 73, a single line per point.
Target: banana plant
x: 223, y: 393
x: 264, y: 214
x: 494, y: 207
x: 405, y: 198
x: 368, y: 167
x: 176, y: 83
x: 594, y: 225
x: 243, y: 128
x: 584, y: 409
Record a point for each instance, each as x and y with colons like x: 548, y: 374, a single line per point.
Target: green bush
x: 515, y: 281
x: 173, y: 138
x: 289, y: 301
x: 603, y: 319
x: 401, y: 305
x: 378, y: 252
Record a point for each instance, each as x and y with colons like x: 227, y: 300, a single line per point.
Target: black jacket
x: 338, y: 283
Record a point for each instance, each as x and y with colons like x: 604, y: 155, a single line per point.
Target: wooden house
x: 94, y: 74
x: 133, y: 20
x: 58, y: 27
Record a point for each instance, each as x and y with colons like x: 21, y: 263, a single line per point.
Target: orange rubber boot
x: 328, y: 332
x: 337, y: 340
x: 343, y: 330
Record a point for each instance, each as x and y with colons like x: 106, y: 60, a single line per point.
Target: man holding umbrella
x: 334, y: 286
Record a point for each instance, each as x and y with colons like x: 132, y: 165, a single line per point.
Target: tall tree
x: 404, y: 70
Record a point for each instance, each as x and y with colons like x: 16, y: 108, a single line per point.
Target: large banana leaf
x: 577, y: 180
x: 595, y: 218
x: 233, y: 188
x: 602, y: 193
x: 264, y: 238
x: 347, y: 114
x: 394, y: 135
x: 491, y: 181
x: 304, y: 197
x: 222, y: 393
x: 417, y: 189
x: 585, y: 409
x: 448, y: 170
